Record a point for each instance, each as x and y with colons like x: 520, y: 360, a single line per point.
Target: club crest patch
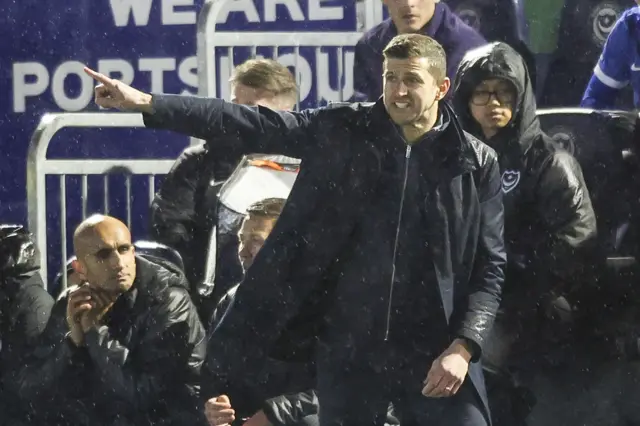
x: 510, y: 179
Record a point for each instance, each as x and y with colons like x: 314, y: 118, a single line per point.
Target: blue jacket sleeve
x: 258, y: 129
x: 613, y: 70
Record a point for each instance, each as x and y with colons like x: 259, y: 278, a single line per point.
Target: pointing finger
x: 98, y: 77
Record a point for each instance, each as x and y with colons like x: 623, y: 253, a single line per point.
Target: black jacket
x: 25, y: 307
x: 281, y: 390
x: 184, y: 210
x: 550, y: 225
x: 341, y: 149
x: 142, y: 367
x: 549, y: 219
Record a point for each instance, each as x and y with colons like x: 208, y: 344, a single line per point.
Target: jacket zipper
x: 407, y: 157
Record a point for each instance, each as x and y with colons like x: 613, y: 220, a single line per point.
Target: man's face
x: 409, y: 16
x: 253, y: 233
x: 106, y: 259
x: 410, y: 91
x: 491, y: 105
x: 250, y: 96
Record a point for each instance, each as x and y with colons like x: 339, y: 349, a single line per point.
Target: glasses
x: 483, y: 97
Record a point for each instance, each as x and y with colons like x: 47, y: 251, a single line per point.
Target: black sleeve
x: 33, y: 309
x: 258, y: 129
x: 48, y: 362
x: 566, y: 210
x: 168, y: 358
x: 291, y: 409
x: 488, y: 272
x: 174, y: 210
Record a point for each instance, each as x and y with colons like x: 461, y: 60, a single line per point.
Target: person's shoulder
x: 32, y: 289
x: 547, y: 159
x: 189, y: 158
x: 455, y: 32
x: 193, y: 152
x: 627, y: 24
x: 157, y: 278
x: 563, y: 163
x: 631, y: 15
x: 484, y: 155
x: 375, y: 37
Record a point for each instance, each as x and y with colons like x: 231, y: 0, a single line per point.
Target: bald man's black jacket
x: 141, y: 366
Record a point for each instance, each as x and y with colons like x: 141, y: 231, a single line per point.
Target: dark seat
x: 498, y: 20
x: 603, y: 142
x: 160, y: 253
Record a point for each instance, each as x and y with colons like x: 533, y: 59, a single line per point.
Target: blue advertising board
x: 148, y: 43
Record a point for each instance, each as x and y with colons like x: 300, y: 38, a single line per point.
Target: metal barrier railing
x: 208, y: 39
x: 39, y: 167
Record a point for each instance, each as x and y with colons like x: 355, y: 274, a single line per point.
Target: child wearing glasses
x: 550, y: 225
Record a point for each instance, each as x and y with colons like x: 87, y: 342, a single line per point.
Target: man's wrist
x: 73, y: 340
x: 145, y: 104
x: 463, y: 347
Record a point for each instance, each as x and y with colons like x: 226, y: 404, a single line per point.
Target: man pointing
x: 390, y: 246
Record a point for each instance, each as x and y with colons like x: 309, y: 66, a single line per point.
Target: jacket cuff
x: 268, y: 409
x: 68, y: 347
x: 156, y: 118
x: 92, y: 340
x: 473, y: 339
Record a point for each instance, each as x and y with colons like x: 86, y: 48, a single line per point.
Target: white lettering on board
x: 140, y: 10
x: 318, y: 12
x: 123, y: 9
x: 157, y: 68
x: 58, y: 80
x: 292, y: 6
x: 33, y: 79
x: 23, y: 89
x: 245, y: 6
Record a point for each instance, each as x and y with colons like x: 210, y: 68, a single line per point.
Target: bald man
x: 125, y: 346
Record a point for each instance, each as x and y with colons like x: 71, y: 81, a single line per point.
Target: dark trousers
x: 360, y: 393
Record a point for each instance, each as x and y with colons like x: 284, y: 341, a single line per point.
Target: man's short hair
x: 267, y: 208
x: 410, y: 46
x: 267, y: 75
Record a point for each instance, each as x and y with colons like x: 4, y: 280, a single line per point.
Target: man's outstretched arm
x: 258, y: 129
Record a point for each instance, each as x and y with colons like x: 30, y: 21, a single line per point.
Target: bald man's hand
x: 101, y: 304
x: 110, y: 93
x: 79, y: 304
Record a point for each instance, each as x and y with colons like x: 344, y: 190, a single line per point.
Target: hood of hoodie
x: 499, y: 60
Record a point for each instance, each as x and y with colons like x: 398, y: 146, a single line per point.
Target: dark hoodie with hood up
x: 25, y: 307
x: 550, y: 225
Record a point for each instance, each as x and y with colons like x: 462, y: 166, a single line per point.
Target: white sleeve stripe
x: 605, y: 79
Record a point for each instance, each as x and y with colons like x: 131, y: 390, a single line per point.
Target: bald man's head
x: 105, y: 254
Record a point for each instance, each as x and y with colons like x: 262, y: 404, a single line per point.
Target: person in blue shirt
x: 428, y: 17
x: 618, y: 66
